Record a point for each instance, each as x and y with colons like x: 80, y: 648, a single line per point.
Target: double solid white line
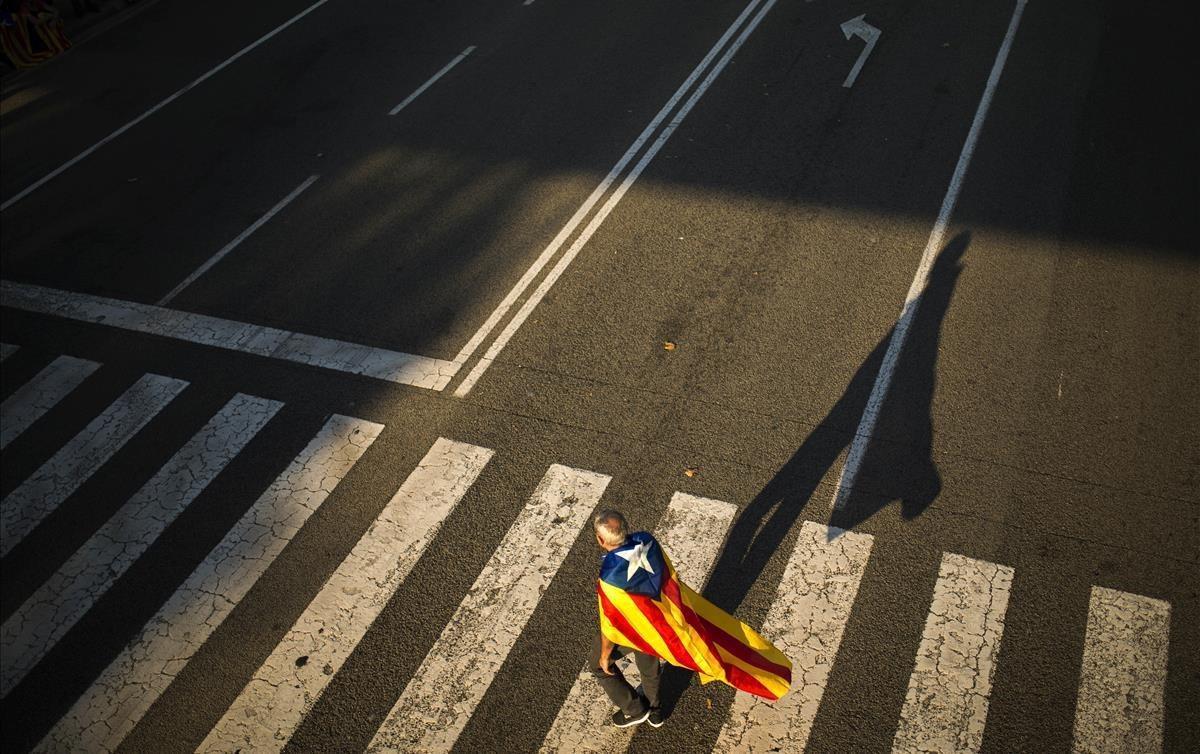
x: 567, y: 230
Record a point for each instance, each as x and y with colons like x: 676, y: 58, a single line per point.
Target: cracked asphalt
x: 1027, y: 514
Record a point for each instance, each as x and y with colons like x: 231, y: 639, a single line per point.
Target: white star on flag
x: 637, y: 558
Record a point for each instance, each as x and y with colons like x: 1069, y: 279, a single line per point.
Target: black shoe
x: 656, y: 718
x: 620, y: 719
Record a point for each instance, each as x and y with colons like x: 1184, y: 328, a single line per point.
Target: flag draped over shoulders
x: 644, y: 605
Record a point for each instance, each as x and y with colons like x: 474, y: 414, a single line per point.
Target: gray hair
x: 611, y: 526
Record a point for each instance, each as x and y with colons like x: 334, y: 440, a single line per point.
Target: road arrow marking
x: 858, y: 27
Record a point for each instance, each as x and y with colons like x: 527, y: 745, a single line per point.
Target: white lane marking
x: 211, y: 72
x: 566, y: 231
x: 1124, y: 674
x: 869, y: 34
x: 33, y: 399
x: 285, y: 201
x: 946, y: 706
x: 285, y: 688
x: 552, y: 277
x: 58, y: 604
x: 806, y: 622
x: 106, y: 713
x: 887, y: 370
x: 381, y: 364
x: 454, y: 676
x: 6, y: 350
x: 691, y: 532
x: 57, y: 479
x: 421, y: 89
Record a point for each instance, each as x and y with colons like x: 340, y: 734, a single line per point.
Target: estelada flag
x: 644, y: 605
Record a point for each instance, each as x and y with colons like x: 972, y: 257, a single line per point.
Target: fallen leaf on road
x: 668, y: 345
x: 708, y: 703
x: 691, y: 471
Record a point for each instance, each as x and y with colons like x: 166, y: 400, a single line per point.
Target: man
x: 613, y: 536
x: 645, y: 607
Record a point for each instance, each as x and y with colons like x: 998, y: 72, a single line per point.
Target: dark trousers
x: 618, y: 689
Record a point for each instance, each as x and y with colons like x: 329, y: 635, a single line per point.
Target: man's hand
x: 606, y: 648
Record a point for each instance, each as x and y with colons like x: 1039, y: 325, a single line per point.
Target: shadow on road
x: 897, y: 465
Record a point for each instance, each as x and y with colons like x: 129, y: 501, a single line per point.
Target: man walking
x: 646, y: 609
x: 613, y: 536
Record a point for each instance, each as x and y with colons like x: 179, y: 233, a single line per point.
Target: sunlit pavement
x: 327, y: 324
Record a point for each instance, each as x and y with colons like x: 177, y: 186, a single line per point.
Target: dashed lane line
x: 206, y: 76
x: 44, y: 618
x: 1124, y: 673
x: 691, y: 532
x: 57, y: 479
x: 33, y: 399
x: 272, y: 705
x: 432, y: 80
x: 806, y: 622
x: 443, y: 694
x: 106, y: 713
x: 946, y: 705
x: 208, y: 264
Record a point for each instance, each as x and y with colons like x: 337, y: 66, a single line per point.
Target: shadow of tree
x: 897, y: 464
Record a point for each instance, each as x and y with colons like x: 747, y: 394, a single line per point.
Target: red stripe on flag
x: 726, y: 641
x: 743, y: 681
x: 617, y: 618
x: 660, y: 624
x: 670, y: 589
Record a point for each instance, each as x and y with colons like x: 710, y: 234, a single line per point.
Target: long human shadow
x: 897, y: 464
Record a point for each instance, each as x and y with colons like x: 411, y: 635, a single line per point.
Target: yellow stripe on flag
x: 732, y: 626
x: 621, y: 601
x: 610, y: 631
x: 774, y: 683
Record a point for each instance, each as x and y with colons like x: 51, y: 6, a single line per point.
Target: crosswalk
x: 1123, y: 665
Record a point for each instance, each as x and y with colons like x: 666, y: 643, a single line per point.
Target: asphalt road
x: 719, y: 331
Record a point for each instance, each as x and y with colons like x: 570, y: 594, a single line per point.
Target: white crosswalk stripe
x: 106, y: 713
x: 436, y: 704
x: 33, y: 399
x: 946, y: 705
x: 805, y: 622
x: 25, y: 507
x: 1121, y: 685
x: 273, y: 703
x: 43, y: 619
x: 691, y: 533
